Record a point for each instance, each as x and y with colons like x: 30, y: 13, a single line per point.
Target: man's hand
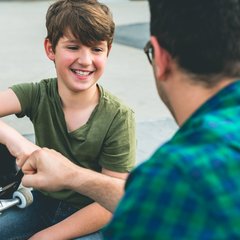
x: 47, y: 169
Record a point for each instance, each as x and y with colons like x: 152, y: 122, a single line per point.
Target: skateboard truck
x: 10, y: 179
x: 21, y: 198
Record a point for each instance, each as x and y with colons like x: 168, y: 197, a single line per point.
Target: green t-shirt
x: 107, y: 140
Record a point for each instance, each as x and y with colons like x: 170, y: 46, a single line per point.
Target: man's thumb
x: 30, y: 181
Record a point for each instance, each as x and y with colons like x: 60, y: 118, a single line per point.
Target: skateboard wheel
x: 25, y: 197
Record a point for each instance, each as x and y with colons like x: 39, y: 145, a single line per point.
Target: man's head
x: 201, y: 36
x: 87, y: 20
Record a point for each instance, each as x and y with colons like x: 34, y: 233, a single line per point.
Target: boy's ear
x: 161, y: 59
x: 48, y: 49
x: 109, y: 49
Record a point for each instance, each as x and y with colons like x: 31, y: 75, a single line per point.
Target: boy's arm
x: 9, y: 103
x: 17, y: 145
x: 85, y: 221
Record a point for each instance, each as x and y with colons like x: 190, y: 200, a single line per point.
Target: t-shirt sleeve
x: 119, y: 150
x: 27, y: 95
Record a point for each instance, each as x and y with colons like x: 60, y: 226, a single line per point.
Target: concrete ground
x: 128, y: 73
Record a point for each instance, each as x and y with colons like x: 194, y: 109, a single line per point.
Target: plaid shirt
x: 190, y: 187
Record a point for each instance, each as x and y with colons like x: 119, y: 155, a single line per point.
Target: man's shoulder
x: 195, y: 151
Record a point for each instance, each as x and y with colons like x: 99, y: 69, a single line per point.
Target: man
x: 189, y: 188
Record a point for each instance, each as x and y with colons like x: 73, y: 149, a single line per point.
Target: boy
x: 73, y: 115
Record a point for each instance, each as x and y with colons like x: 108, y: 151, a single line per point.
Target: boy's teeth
x: 81, y: 73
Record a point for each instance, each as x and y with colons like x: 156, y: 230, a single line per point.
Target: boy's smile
x: 78, y: 66
x: 82, y: 74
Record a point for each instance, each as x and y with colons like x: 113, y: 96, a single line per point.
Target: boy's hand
x: 48, y: 170
x: 21, y: 148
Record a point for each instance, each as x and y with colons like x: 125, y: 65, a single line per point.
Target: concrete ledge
x: 134, y: 35
x: 151, y: 135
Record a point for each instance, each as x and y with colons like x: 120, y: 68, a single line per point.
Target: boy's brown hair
x: 87, y: 20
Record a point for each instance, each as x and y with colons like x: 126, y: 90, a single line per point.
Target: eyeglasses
x: 148, y: 49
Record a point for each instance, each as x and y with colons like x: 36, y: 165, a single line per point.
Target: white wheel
x: 25, y: 196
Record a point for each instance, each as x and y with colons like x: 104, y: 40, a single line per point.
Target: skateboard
x: 10, y: 179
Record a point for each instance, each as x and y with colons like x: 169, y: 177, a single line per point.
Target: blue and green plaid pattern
x: 190, y: 188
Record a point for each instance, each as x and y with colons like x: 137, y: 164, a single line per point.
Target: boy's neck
x: 81, y: 99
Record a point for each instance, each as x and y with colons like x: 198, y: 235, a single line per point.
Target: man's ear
x: 48, y: 49
x: 161, y: 59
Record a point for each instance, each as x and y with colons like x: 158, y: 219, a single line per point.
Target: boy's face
x: 78, y: 66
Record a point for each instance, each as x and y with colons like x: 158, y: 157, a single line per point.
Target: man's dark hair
x: 203, y: 36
